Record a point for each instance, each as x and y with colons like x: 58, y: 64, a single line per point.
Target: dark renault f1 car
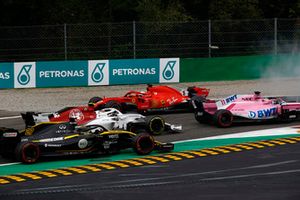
x: 59, y: 139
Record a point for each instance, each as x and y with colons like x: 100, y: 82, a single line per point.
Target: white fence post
x: 209, y: 38
x: 275, y: 36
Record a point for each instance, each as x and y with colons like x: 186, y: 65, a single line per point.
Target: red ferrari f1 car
x: 156, y: 98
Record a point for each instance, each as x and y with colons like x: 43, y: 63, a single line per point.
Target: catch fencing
x: 211, y: 38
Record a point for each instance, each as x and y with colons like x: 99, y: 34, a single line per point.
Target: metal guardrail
x: 210, y: 38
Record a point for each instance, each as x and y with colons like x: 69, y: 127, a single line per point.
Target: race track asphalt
x: 270, y: 174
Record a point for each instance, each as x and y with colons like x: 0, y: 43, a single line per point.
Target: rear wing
x: 32, y: 118
x: 28, y: 119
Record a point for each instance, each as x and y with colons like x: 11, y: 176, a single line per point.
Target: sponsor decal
x: 61, y: 74
x: 62, y: 126
x: 24, y: 75
x: 98, y: 72
x: 11, y: 134
x: 246, y: 99
x: 172, y: 100
x: 113, y: 136
x: 229, y: 99
x: 169, y: 70
x: 134, y: 71
x: 77, y: 114
x: 264, y: 113
x: 83, y: 143
x: 61, y: 131
x: 4, y: 75
x: 51, y: 139
x: 52, y: 145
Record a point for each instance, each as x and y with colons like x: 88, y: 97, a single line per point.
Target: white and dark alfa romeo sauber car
x: 111, y: 119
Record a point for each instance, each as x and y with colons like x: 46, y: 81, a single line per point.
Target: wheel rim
x: 30, y: 153
x: 145, y: 144
x: 157, y: 126
x: 225, y: 119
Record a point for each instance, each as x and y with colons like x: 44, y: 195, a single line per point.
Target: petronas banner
x: 88, y: 73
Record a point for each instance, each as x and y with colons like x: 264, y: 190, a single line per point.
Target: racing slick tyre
x: 94, y: 100
x: 132, y: 127
x: 155, y: 125
x: 143, y: 144
x: 113, y: 104
x: 223, y: 118
x: 27, y: 152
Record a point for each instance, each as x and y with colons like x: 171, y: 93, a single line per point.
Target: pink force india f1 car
x: 253, y: 107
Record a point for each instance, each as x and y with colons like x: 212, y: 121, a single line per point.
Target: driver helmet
x: 257, y: 95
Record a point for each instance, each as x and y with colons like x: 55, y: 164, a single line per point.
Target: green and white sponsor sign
x: 62, y: 73
x: 98, y: 72
x: 88, y: 73
x: 25, y: 75
x: 6, y: 75
x: 133, y: 71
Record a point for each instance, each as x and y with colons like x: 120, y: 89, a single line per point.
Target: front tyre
x: 143, y: 144
x: 94, y: 100
x: 155, y: 125
x: 27, y: 152
x: 114, y: 104
x: 223, y: 118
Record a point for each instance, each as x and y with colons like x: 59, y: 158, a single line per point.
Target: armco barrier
x: 86, y: 73
x: 239, y: 67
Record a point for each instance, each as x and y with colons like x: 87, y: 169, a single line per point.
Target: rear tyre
x: 94, y: 100
x: 155, y: 125
x: 27, y: 152
x: 134, y: 128
x: 223, y: 118
x: 143, y: 144
x: 113, y: 104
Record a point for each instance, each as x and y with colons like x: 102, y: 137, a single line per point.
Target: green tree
x: 159, y: 10
x: 234, y: 9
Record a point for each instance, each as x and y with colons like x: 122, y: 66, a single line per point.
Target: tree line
x: 39, y: 12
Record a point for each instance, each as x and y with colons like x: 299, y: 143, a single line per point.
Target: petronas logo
x: 97, y: 74
x: 24, y: 76
x: 168, y: 72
